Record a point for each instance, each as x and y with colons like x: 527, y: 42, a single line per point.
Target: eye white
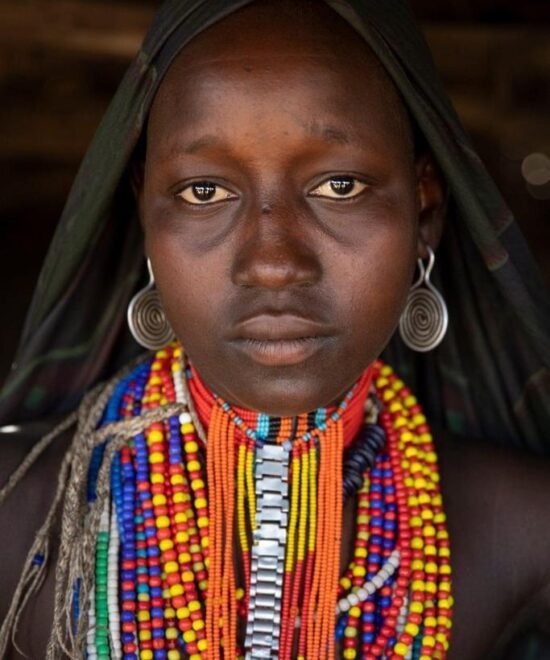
x: 339, y: 187
x: 201, y: 193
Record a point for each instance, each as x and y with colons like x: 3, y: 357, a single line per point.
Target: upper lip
x: 280, y: 327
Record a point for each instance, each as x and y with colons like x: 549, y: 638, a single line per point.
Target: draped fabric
x: 490, y: 378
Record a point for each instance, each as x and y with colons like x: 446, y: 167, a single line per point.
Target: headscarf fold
x: 490, y: 378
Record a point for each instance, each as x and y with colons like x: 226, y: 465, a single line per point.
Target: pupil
x: 204, y: 190
x: 342, y: 186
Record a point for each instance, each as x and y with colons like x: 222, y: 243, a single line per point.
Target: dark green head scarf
x: 489, y: 378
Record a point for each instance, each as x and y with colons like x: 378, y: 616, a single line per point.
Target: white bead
x: 362, y: 594
x: 343, y: 605
x: 185, y: 418
x: 353, y: 600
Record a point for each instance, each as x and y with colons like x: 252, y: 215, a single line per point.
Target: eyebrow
x: 327, y: 133
x: 314, y: 129
x: 201, y: 143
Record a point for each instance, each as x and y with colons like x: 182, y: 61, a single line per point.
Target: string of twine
x: 79, y: 518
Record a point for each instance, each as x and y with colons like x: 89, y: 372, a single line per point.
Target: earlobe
x: 432, y: 195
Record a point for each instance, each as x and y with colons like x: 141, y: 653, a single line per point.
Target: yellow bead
x: 412, y: 629
x: 171, y: 567
x: 193, y: 466
x: 430, y: 621
x: 144, y: 635
x: 417, y: 543
x: 431, y: 588
x: 182, y: 537
x: 197, y: 483
x: 155, y: 436
x: 156, y: 457
x: 195, y: 656
x: 146, y: 655
x: 171, y: 633
x: 179, y: 498
x: 415, y: 521
x: 157, y: 478
x: 428, y: 640
x: 198, y: 625
x: 400, y: 649
x: 388, y: 395
x: 345, y: 583
x: 410, y: 401
x: 429, y: 530
x: 177, y: 479
x: 187, y: 576
x: 202, y: 644
x: 417, y: 565
x: 355, y: 611
x: 162, y: 522
x: 191, y: 446
x: 201, y: 503
x: 174, y: 654
x: 187, y: 428
x: 359, y: 571
x: 194, y: 605
x: 166, y: 544
x: 431, y: 568
x: 361, y: 552
x: 205, y: 541
x: 445, y: 570
x: 182, y: 613
x: 418, y: 585
x: 416, y: 608
x: 350, y: 654
x: 202, y: 522
x: 143, y: 616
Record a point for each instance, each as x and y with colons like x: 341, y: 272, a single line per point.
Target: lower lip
x: 283, y: 352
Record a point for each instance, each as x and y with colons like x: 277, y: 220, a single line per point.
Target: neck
x: 274, y: 429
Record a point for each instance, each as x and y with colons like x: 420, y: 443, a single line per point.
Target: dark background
x: 61, y: 60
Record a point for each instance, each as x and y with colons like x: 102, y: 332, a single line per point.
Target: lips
x: 281, y: 339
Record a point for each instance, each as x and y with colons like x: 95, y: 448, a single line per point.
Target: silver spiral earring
x: 424, y: 320
x: 146, y: 318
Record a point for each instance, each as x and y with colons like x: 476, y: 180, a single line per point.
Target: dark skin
x: 326, y: 276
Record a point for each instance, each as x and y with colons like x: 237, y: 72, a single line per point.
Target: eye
x: 339, y: 187
x: 201, y: 193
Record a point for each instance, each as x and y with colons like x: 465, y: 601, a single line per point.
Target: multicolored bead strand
x: 173, y: 553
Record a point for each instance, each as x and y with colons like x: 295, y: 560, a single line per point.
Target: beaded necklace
x: 234, y: 551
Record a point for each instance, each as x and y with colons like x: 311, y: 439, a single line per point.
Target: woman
x: 299, y: 160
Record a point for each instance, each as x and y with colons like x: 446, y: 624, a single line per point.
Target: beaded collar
x: 166, y: 579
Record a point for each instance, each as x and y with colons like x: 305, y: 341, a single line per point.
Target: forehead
x: 274, y: 49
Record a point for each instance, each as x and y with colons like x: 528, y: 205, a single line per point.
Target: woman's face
x: 282, y: 205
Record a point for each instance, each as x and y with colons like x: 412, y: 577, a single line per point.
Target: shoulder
x: 498, y: 506
x: 25, y: 509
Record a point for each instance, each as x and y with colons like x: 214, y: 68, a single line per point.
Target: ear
x: 432, y: 195
x: 137, y: 174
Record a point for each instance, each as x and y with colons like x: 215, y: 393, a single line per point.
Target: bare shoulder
x: 25, y: 509
x: 498, y: 506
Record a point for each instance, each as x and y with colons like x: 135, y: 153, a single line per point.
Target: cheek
x: 191, y: 288
x: 377, y: 280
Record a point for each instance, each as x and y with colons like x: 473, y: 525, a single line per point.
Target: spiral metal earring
x: 146, y: 318
x: 424, y: 320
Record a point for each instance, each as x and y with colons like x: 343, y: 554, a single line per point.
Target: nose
x: 275, y: 252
